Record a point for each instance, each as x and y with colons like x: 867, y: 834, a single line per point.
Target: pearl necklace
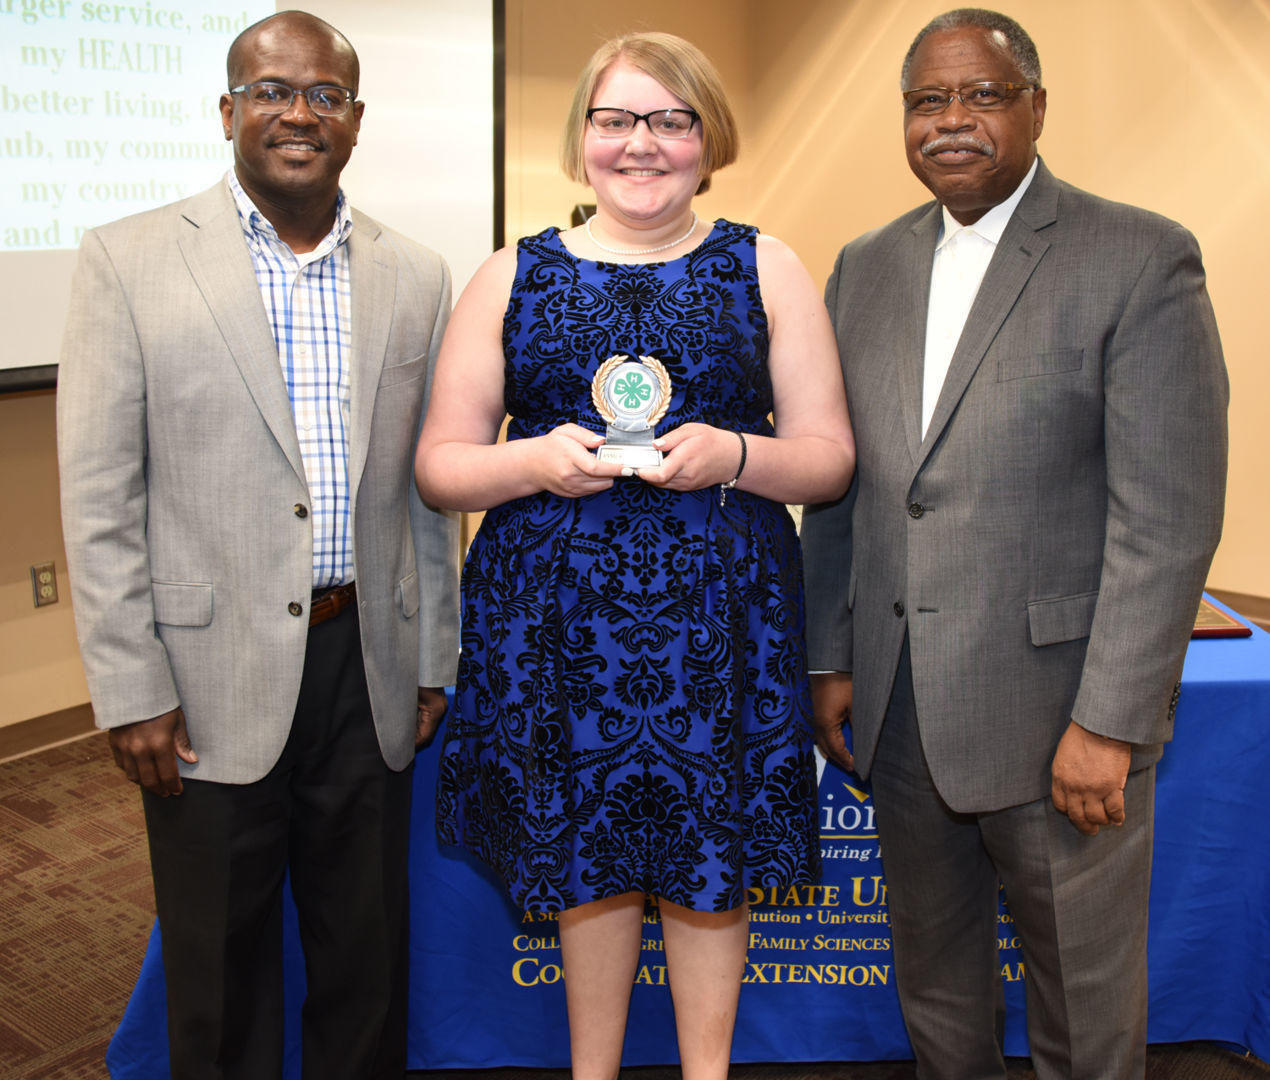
x: 640, y: 251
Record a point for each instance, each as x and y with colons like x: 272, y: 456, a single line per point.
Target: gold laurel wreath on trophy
x: 658, y: 371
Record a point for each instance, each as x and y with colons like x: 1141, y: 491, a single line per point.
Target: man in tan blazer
x: 266, y: 611
x: 1038, y: 398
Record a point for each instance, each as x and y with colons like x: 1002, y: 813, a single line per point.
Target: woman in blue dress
x: 632, y: 713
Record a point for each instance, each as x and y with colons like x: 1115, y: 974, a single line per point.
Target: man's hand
x: 1089, y: 774
x: 831, y: 709
x: 431, y: 708
x: 147, y: 751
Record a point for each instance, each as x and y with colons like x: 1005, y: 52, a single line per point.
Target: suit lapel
x: 1020, y: 250
x: 220, y: 264
x: 910, y: 344
x: 373, y: 273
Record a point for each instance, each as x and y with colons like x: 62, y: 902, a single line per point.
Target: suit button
x: 898, y: 608
x: 916, y: 510
x: 295, y: 608
x: 301, y: 511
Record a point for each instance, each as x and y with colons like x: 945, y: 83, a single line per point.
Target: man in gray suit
x: 1003, y: 599
x: 266, y: 611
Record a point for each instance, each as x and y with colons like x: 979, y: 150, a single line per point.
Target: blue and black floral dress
x: 632, y: 705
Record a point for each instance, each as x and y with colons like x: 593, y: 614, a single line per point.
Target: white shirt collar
x: 993, y: 223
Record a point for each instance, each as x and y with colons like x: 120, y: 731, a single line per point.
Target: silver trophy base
x: 632, y: 457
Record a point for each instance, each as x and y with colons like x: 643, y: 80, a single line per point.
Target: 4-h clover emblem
x: 632, y: 390
x: 631, y: 396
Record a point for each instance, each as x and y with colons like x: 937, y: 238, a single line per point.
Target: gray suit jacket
x: 181, y: 474
x: 1046, y: 543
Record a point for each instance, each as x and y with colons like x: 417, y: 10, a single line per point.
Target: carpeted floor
x: 1188, y: 1061
x: 76, y: 910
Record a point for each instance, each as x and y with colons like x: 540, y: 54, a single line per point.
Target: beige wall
x: 39, y: 664
x: 1155, y: 102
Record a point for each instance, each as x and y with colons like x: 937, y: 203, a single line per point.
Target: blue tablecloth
x: 486, y: 987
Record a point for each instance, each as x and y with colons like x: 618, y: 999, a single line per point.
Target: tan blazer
x: 181, y: 476
x: 1045, y: 544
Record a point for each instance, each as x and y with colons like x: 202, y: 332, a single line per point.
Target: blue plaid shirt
x: 309, y: 301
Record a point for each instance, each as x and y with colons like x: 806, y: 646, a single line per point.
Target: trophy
x: 631, y: 396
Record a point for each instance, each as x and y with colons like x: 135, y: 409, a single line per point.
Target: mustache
x: 958, y: 142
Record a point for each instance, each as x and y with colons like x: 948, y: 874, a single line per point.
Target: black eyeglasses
x: 275, y: 97
x: 980, y: 96
x: 664, y: 123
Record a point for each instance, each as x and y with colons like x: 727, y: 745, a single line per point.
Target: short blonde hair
x: 681, y: 68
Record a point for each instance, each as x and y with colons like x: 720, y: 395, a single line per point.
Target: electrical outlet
x: 44, y: 583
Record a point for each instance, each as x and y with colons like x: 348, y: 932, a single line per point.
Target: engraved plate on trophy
x: 631, y: 396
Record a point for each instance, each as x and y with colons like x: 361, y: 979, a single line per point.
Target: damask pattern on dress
x: 632, y: 708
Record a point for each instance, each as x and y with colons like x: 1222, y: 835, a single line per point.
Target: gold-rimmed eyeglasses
x: 980, y: 96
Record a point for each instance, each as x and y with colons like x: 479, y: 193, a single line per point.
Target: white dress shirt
x: 962, y: 254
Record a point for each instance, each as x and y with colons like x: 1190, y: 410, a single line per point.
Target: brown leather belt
x: 327, y: 603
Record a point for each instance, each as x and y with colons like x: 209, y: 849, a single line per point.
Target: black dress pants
x: 337, y: 817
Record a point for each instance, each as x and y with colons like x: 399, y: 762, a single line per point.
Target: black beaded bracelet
x: 726, y: 487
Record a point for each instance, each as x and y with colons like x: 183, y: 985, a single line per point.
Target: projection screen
x: 108, y: 109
